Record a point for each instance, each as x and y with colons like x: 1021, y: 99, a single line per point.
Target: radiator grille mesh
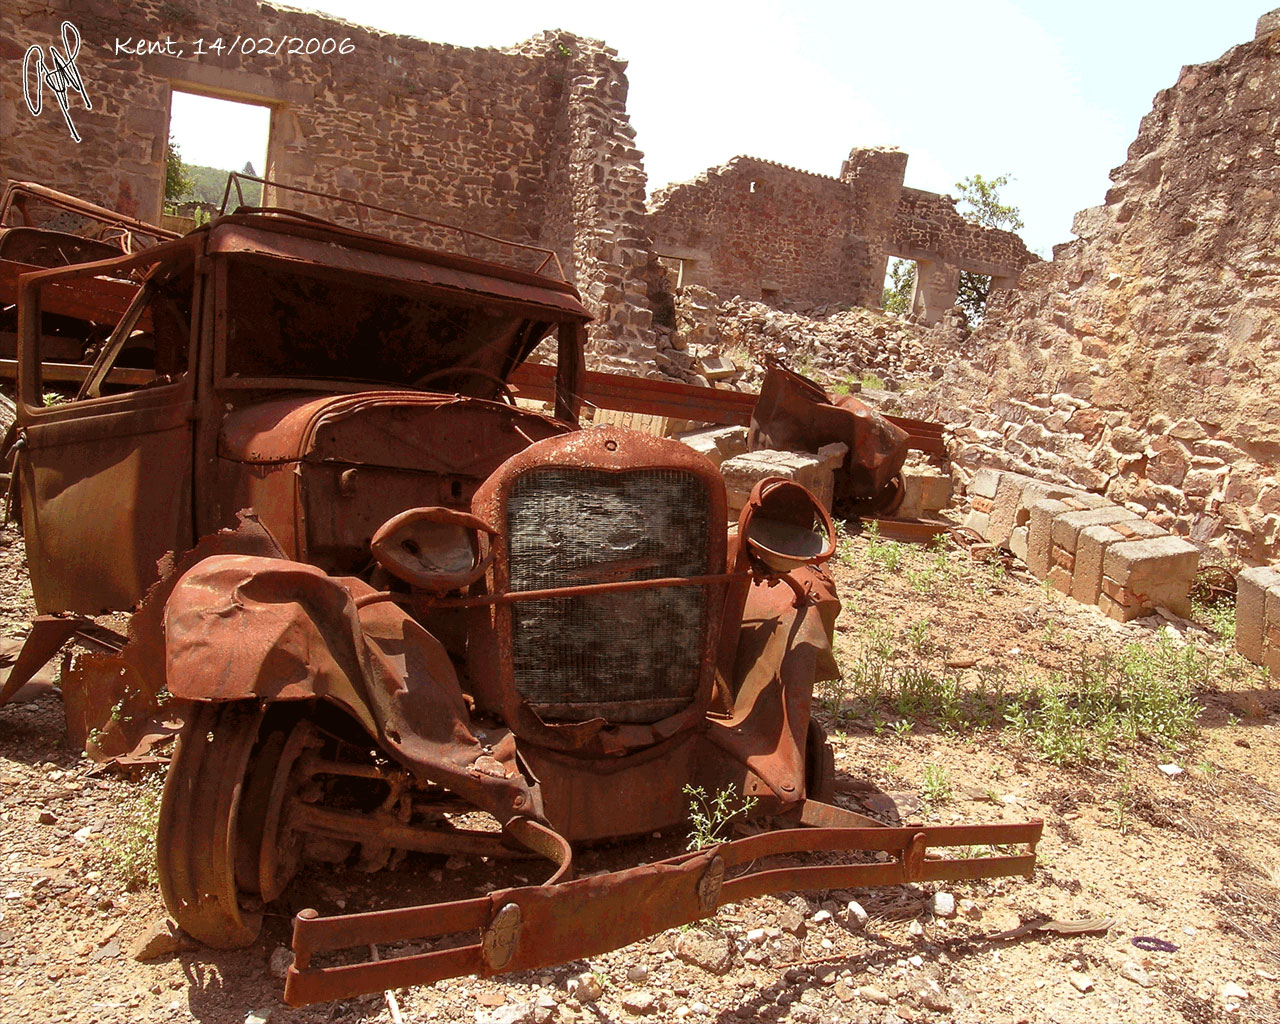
x: 568, y: 527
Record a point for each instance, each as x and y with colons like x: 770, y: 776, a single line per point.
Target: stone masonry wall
x: 765, y: 231
x: 752, y: 227
x: 1142, y: 361
x: 531, y: 144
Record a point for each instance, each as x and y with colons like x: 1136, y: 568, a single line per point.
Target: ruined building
x: 764, y: 231
x: 1142, y: 361
x: 531, y: 143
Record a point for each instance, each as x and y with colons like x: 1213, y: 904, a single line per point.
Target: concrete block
x: 742, y: 472
x: 1040, y: 517
x: 1251, y: 621
x: 1091, y: 546
x: 1066, y: 528
x: 645, y: 423
x: 717, y: 367
x: 1012, y: 505
x: 717, y: 443
x: 926, y: 491
x: 984, y: 483
x: 833, y: 455
x: 1018, y: 542
x: 1138, y: 575
x: 1271, y: 642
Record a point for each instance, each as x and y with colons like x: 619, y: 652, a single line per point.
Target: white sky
x: 1048, y: 92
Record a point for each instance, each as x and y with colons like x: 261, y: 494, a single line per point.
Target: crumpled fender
x: 241, y: 626
x: 783, y: 650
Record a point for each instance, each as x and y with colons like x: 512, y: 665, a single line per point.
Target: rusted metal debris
x: 379, y: 597
x: 795, y: 414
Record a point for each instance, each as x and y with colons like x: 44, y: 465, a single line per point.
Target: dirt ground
x: 1191, y: 859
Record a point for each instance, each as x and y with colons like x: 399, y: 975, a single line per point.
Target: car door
x: 104, y: 474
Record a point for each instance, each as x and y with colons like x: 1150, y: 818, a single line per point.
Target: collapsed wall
x: 531, y: 143
x: 778, y: 234
x: 1141, y: 362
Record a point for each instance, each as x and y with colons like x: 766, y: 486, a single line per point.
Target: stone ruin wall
x: 766, y: 231
x: 1142, y: 362
x: 531, y: 143
x: 753, y: 227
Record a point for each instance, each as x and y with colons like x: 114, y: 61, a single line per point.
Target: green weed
x: 128, y: 854
x: 937, y: 786
x: 709, y: 817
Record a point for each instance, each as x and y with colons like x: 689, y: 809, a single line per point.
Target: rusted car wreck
x: 297, y: 457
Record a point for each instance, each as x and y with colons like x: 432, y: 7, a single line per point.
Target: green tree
x: 178, y: 182
x: 897, y: 296
x: 979, y: 202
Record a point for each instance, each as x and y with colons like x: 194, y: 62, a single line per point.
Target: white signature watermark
x: 59, y: 74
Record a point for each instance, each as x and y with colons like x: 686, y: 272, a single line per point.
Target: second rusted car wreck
x: 380, y: 594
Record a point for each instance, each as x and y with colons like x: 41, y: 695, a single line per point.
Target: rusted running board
x: 540, y: 926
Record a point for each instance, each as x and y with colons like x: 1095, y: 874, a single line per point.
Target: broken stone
x: 1231, y: 992
x: 944, y: 904
x: 874, y: 995
x: 637, y: 974
x: 1080, y: 982
x: 584, y: 988
x: 639, y: 1003
x: 1133, y: 972
x: 710, y: 952
x: 280, y: 962
x: 162, y: 938
x: 791, y: 920
x: 857, y: 917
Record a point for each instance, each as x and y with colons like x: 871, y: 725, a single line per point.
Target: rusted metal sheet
x: 301, y: 240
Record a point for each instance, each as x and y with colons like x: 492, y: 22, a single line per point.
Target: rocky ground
x: 935, y: 648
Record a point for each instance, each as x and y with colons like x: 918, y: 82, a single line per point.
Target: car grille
x: 630, y: 656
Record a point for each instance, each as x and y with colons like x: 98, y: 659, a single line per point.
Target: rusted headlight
x: 433, y: 549
x: 785, y: 526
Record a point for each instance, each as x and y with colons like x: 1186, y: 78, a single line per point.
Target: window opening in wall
x: 772, y: 296
x: 972, y: 294
x: 753, y: 186
x: 899, y: 286
x: 210, y: 137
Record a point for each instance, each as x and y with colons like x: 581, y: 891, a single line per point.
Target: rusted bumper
x: 539, y: 926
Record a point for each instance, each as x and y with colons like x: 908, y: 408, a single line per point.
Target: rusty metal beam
x: 918, y: 531
x: 537, y: 926
x: 682, y: 401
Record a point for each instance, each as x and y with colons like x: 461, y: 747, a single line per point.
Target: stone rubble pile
x: 725, y: 343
